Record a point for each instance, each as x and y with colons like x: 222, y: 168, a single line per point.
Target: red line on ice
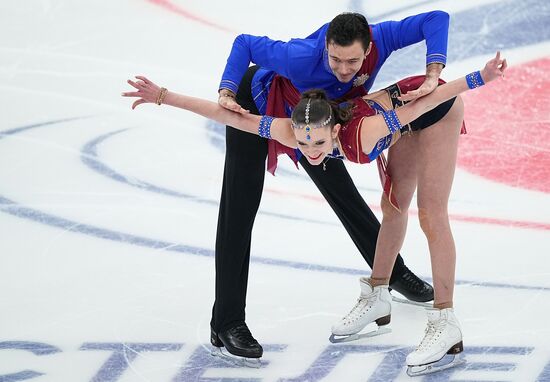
x: 456, y: 217
x: 170, y: 6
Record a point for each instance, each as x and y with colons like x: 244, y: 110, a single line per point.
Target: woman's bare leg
x: 436, y: 162
x: 402, y: 168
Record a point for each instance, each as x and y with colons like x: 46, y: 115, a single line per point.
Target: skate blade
x: 443, y: 364
x: 335, y: 339
x: 409, y: 302
x: 254, y: 363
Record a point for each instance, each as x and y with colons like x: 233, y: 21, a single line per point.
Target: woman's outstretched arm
x: 374, y: 128
x: 148, y: 92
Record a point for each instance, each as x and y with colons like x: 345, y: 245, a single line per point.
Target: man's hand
x: 430, y: 83
x: 227, y: 100
x: 427, y: 87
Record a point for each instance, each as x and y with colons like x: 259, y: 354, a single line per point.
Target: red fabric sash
x: 281, y: 92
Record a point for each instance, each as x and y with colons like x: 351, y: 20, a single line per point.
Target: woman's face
x: 320, y: 143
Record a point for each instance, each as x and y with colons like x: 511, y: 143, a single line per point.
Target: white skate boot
x: 443, y: 337
x: 373, y: 305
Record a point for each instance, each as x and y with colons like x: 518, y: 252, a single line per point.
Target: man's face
x: 345, y: 61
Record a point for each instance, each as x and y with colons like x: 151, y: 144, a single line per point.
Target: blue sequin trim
x: 390, y: 117
x: 264, y: 128
x: 474, y: 80
x: 336, y: 154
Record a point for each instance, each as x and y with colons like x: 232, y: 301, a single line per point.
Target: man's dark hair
x: 346, y: 28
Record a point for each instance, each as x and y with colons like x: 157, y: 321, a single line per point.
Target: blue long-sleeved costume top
x: 305, y: 61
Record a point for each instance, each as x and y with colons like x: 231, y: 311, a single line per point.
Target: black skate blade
x: 409, y: 302
x: 253, y: 363
x: 448, y: 361
x: 335, y: 339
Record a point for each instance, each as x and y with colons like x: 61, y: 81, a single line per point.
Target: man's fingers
x: 498, y: 56
x: 412, y: 94
x: 232, y: 105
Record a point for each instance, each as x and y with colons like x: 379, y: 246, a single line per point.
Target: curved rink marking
x: 13, y: 208
x: 90, y: 159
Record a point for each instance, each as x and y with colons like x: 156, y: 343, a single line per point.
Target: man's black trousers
x: 242, y: 188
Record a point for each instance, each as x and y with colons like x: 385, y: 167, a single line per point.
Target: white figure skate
x: 439, y: 348
x: 373, y: 305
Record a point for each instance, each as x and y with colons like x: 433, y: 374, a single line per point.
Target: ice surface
x: 108, y: 216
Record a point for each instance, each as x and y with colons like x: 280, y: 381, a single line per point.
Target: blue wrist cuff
x: 393, y: 123
x: 474, y: 80
x: 264, y: 128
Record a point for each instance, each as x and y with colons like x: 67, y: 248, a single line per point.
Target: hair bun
x: 315, y: 94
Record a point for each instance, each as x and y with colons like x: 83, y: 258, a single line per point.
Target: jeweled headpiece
x: 307, y: 126
x: 308, y: 129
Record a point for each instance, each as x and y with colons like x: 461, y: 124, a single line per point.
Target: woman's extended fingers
x: 147, y: 91
x: 138, y: 102
x: 500, y: 65
x: 143, y: 83
x: 131, y: 94
x: 144, y: 79
x: 132, y: 83
x: 495, y: 67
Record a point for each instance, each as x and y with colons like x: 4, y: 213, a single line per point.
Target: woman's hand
x: 494, y: 68
x: 147, y: 91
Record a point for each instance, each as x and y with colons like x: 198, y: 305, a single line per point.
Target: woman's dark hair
x: 320, y: 110
x: 346, y: 28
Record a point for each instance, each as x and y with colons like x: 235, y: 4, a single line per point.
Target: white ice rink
x: 108, y: 215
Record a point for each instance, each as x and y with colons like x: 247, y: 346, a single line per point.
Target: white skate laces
x: 432, y: 334
x: 442, y: 341
x: 359, y: 310
x: 372, y: 306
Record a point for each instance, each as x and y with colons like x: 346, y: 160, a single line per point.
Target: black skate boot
x: 238, y: 341
x: 412, y: 288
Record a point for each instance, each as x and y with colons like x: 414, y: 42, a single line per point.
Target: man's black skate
x: 238, y: 341
x: 412, y: 288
